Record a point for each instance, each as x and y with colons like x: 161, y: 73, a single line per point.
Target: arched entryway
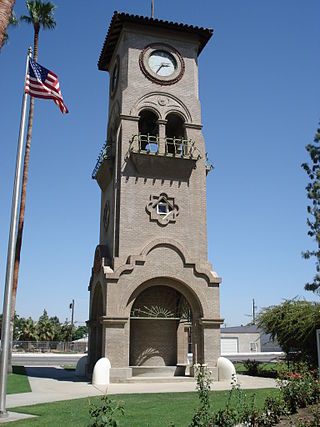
x: 160, y: 322
x: 95, y: 325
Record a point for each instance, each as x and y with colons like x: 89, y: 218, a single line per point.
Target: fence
x: 49, y: 346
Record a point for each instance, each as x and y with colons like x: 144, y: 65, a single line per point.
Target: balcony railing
x: 104, y: 154
x: 169, y: 147
x: 209, y: 164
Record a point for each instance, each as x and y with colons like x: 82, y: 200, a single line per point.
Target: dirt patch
x: 305, y: 414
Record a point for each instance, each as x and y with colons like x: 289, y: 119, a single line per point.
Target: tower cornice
x: 119, y: 19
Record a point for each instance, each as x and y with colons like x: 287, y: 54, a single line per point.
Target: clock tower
x: 154, y: 298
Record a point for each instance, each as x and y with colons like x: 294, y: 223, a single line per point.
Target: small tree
x: 313, y: 194
x: 80, y: 332
x: 293, y: 324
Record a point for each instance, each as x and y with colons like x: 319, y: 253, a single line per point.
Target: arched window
x: 175, y: 134
x: 148, y: 130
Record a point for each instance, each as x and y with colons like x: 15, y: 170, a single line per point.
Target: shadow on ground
x: 55, y: 373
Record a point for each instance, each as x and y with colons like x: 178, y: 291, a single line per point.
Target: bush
x: 252, y: 367
x: 104, y: 415
x: 293, y: 324
x: 299, y: 388
x: 202, y: 417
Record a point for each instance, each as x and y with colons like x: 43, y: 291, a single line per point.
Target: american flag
x: 42, y: 83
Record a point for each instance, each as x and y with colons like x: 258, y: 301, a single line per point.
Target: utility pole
x: 254, y: 307
x: 71, y: 306
x: 152, y: 8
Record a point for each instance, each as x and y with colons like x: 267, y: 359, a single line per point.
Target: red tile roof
x: 119, y: 19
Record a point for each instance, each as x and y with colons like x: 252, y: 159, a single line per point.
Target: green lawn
x: 269, y: 370
x: 141, y: 410
x: 18, y: 381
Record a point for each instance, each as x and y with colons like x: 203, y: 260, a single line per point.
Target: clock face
x: 162, y: 63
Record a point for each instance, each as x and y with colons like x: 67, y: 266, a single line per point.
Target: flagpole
x: 5, y: 330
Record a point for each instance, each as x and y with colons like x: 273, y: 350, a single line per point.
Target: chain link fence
x: 49, y: 347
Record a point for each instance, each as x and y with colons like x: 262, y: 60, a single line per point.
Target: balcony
x: 102, y: 171
x: 155, y: 157
x: 169, y: 147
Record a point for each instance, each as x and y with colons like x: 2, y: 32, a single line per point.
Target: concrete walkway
x: 51, y: 384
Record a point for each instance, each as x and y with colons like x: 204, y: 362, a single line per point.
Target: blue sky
x: 260, y: 92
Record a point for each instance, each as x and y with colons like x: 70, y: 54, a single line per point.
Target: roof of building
x: 247, y: 329
x: 120, y: 18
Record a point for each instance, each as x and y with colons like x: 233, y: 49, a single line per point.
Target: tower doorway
x: 160, y: 322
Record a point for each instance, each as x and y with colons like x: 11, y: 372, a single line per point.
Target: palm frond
x: 40, y: 14
x: 13, y: 20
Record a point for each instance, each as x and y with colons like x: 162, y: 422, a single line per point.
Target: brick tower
x: 153, y: 295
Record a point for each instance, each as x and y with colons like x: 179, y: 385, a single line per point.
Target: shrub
x: 296, y: 390
x: 104, y: 415
x: 274, y: 408
x: 299, y: 388
x: 202, y: 417
x: 252, y: 367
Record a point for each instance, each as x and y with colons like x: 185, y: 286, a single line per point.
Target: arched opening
x: 160, y: 322
x: 148, y: 131
x: 175, y: 134
x: 95, y: 326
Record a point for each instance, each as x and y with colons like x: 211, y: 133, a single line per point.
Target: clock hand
x: 161, y: 65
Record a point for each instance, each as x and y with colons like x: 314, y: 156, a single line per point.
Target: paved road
x: 45, y: 359
x: 56, y: 359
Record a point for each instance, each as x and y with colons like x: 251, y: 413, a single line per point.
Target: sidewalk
x: 51, y: 384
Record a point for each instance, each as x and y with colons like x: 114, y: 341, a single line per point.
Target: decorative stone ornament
x: 162, y: 209
x: 161, y: 64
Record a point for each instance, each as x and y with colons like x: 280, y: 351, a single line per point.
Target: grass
x: 141, y: 410
x: 18, y: 381
x: 69, y: 367
x: 269, y: 370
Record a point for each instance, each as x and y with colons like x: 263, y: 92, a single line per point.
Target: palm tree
x: 46, y: 330
x: 40, y: 15
x: 13, y: 21
x: 6, y: 8
x: 30, y: 332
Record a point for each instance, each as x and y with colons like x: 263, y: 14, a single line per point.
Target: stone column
x: 182, y: 342
x: 92, y: 351
x: 116, y: 348
x: 211, y: 342
x: 130, y: 129
x: 197, y: 347
x: 162, y: 136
